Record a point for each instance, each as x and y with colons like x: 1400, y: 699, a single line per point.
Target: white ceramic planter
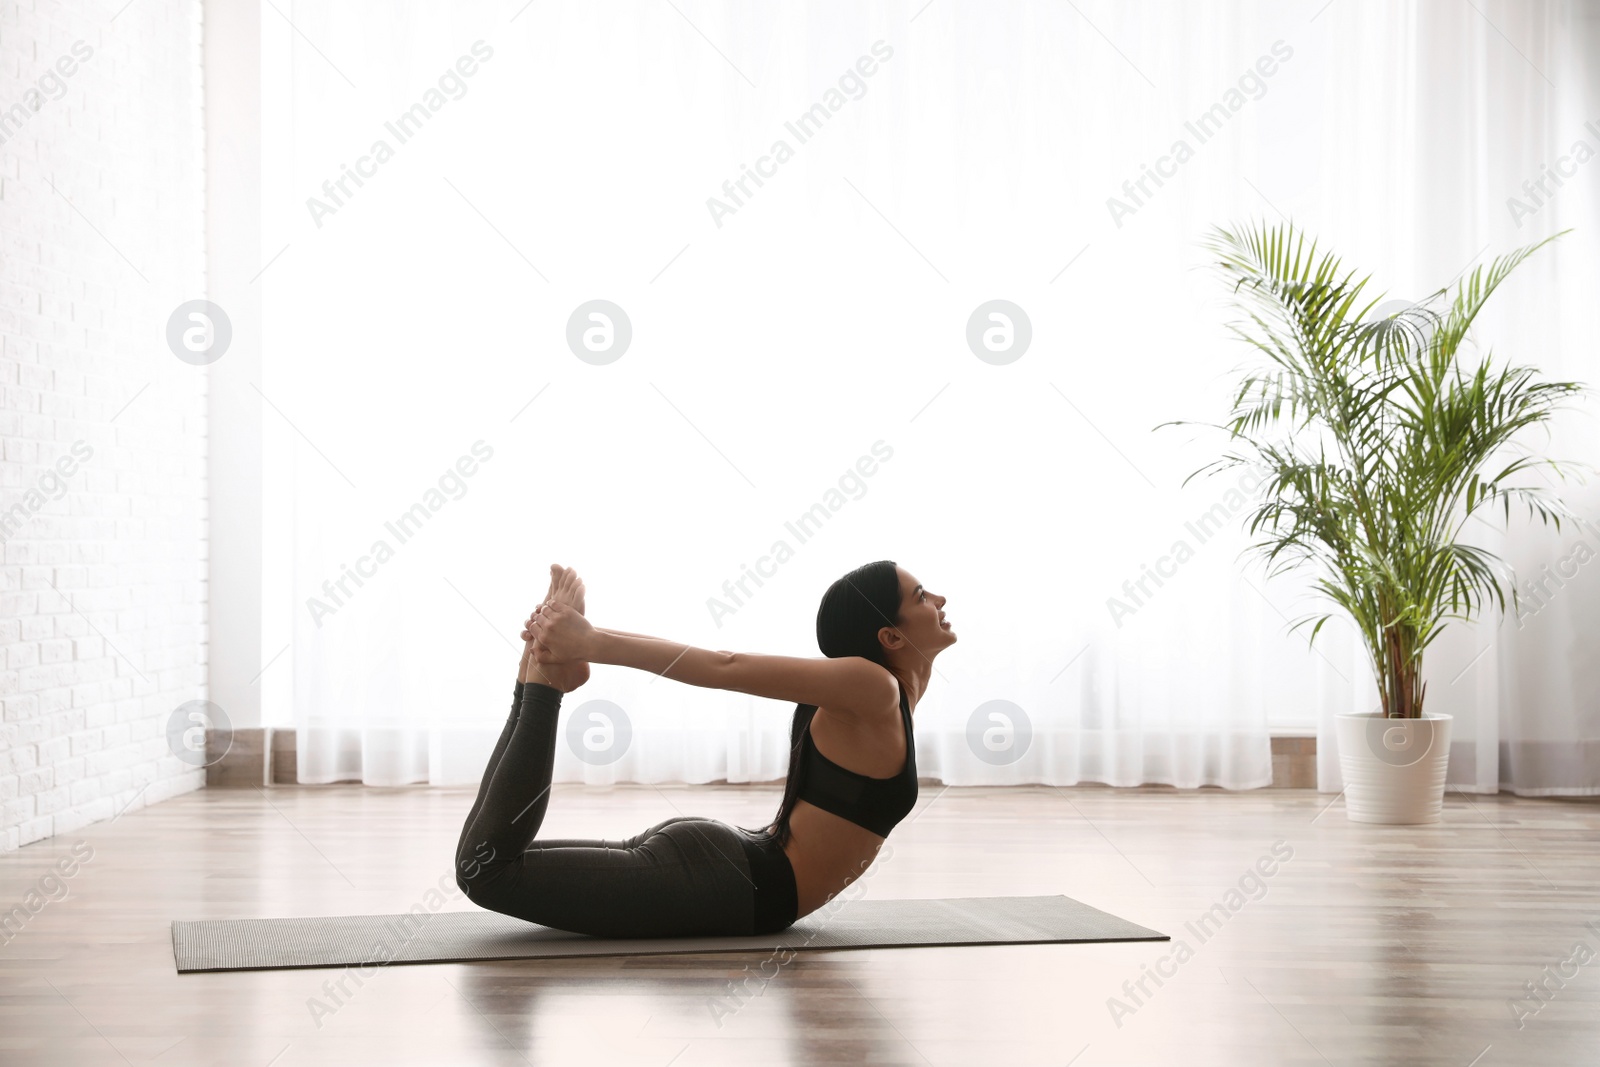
x: 1393, y: 768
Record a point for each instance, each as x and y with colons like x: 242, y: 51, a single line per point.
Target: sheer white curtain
x: 803, y: 330
x: 1488, y: 101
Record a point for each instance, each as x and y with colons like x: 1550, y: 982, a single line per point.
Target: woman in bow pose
x: 852, y: 772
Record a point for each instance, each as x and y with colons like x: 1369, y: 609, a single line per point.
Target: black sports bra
x: 875, y: 804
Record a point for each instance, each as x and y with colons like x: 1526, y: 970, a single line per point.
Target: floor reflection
x: 777, y: 1008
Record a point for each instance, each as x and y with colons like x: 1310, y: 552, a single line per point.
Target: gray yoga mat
x: 459, y: 936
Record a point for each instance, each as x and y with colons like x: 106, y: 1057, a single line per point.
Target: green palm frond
x: 1379, y: 443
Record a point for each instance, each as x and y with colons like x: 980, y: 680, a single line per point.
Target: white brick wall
x: 102, y: 572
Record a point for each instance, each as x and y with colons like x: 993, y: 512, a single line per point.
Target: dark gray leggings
x: 684, y: 877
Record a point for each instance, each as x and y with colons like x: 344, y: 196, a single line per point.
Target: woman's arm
x: 624, y: 633
x: 846, y: 684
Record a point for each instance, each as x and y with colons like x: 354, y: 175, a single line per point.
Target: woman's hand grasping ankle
x: 538, y: 665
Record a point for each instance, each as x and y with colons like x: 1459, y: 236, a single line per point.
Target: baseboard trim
x: 244, y: 763
x: 1294, y: 763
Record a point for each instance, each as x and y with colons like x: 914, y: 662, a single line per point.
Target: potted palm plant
x: 1378, y: 439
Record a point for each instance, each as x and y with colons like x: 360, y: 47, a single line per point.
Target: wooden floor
x: 1369, y: 945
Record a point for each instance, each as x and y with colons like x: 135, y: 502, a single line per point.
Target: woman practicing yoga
x: 852, y: 772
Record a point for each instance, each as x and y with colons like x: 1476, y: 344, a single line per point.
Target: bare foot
x: 565, y: 588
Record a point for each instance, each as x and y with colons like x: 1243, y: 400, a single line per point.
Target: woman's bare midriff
x: 829, y: 852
